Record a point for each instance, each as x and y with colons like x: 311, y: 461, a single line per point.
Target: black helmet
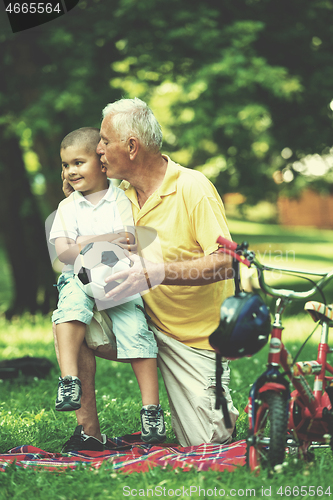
x: 244, y: 326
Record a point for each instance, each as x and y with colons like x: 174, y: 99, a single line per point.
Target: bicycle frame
x: 308, y: 412
x: 311, y: 403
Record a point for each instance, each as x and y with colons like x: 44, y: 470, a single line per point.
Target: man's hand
x: 137, y: 279
x: 145, y: 274
x: 123, y: 242
x: 66, y: 187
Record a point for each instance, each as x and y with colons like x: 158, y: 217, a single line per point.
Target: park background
x: 243, y: 90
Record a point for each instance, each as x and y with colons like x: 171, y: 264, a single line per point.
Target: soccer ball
x: 97, y: 261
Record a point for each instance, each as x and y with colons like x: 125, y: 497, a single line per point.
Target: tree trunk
x: 23, y: 234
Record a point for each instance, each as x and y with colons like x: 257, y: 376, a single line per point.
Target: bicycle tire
x: 271, y: 421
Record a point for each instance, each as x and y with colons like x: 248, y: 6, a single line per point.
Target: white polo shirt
x: 76, y: 216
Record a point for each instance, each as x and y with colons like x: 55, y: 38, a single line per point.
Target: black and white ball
x: 97, y: 261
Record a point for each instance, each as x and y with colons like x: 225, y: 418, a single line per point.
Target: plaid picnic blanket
x: 128, y: 454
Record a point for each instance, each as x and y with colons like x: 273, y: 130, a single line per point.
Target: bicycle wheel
x: 266, y: 447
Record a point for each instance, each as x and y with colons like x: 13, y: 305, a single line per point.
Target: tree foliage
x: 253, y: 79
x: 242, y: 88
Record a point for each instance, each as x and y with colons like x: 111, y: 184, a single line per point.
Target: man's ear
x: 133, y: 147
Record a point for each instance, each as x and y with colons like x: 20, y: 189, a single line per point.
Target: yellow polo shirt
x: 188, y: 215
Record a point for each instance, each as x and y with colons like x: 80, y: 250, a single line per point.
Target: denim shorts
x: 133, y: 337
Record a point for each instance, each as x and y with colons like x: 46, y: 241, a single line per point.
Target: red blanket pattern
x: 128, y: 454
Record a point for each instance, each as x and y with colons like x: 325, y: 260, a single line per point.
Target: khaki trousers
x: 189, y: 378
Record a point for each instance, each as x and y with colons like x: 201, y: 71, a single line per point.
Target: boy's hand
x: 66, y: 187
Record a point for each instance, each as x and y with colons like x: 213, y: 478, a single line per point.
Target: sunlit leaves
x: 248, y: 78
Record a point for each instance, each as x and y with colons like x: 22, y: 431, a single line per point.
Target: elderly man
x: 185, y: 288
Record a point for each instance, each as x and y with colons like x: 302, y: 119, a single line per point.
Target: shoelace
x: 68, y: 388
x: 152, y: 417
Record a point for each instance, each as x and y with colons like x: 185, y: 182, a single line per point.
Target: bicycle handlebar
x: 247, y: 257
x: 232, y: 245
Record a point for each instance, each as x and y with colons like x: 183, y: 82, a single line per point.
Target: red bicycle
x: 278, y: 419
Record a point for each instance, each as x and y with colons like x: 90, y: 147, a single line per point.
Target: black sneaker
x: 80, y: 441
x: 69, y: 394
x: 152, y: 424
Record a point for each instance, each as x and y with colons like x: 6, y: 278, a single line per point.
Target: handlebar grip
x: 240, y: 259
x: 226, y: 243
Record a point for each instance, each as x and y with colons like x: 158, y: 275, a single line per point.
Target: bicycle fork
x: 271, y: 379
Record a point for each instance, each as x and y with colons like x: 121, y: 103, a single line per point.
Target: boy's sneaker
x: 152, y: 424
x: 80, y: 441
x: 69, y: 394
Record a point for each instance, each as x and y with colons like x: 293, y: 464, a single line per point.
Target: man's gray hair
x: 133, y: 117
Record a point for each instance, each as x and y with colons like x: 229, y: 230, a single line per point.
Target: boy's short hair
x: 86, y: 137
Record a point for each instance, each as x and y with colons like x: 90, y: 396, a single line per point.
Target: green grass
x: 307, y: 248
x: 292, y: 248
x: 27, y: 415
x: 27, y: 404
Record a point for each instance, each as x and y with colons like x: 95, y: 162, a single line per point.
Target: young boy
x: 97, y: 211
